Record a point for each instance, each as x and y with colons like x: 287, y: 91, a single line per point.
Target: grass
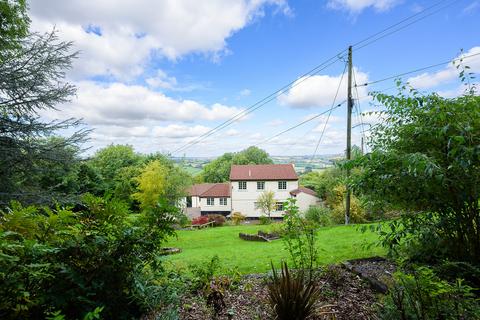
x: 335, y: 244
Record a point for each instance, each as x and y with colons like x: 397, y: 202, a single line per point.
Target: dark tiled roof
x: 304, y: 190
x: 210, y: 190
x: 263, y: 172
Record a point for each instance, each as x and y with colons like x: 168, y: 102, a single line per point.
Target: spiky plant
x: 290, y: 296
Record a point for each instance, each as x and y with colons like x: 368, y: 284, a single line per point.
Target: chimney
x: 249, y: 172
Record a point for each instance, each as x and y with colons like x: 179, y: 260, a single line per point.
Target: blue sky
x: 157, y: 74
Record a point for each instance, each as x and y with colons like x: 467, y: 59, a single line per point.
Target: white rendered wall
x: 243, y: 201
x: 305, y: 201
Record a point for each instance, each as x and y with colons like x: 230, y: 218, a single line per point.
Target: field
x: 335, y: 244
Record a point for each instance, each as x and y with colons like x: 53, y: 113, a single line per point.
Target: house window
x: 242, y: 185
x: 210, y: 201
x: 282, y: 185
x: 189, y: 202
x: 279, y: 206
x: 260, y: 185
x: 223, y: 201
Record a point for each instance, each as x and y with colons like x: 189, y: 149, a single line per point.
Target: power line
x: 301, y: 123
x: 263, y: 101
x: 315, y: 70
x: 416, y: 70
x: 330, y: 113
x: 404, y: 26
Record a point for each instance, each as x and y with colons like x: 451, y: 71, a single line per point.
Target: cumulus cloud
x: 117, y: 36
x: 161, y: 80
x: 176, y: 131
x: 132, y: 105
x: 245, y: 92
x: 357, y: 6
x: 319, y: 91
x: 449, y: 73
x: 275, y: 123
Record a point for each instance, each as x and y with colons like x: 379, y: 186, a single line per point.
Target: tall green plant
x: 300, y: 239
x: 425, y: 159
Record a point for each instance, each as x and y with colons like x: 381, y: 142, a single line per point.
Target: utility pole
x: 349, y: 131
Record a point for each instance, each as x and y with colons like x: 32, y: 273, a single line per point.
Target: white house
x: 246, y: 184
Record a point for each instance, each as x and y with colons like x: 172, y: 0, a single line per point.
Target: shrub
x: 237, y: 218
x: 320, y: 215
x: 264, y: 220
x: 357, y: 213
x: 422, y: 295
x: 76, y: 262
x: 299, y: 239
x: 217, y: 219
x: 200, y: 220
x: 290, y: 297
x: 202, y: 273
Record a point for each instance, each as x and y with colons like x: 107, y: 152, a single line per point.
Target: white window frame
x: 212, y: 200
x: 279, y: 203
x: 241, y: 184
x: 281, y: 184
x: 261, y: 183
x: 223, y: 201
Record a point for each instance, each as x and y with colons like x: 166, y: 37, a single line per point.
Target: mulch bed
x: 345, y: 295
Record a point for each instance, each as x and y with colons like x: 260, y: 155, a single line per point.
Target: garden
x: 95, y: 237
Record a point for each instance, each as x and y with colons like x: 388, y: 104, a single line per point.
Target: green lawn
x: 335, y: 244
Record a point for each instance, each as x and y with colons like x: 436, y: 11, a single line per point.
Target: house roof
x: 210, y: 190
x: 304, y: 190
x: 263, y: 172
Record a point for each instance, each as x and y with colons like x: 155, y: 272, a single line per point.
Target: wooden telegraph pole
x: 349, y: 131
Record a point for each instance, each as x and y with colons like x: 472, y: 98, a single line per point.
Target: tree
x: 32, y: 81
x: 252, y: 155
x: 266, y: 202
x: 151, y: 184
x: 219, y: 169
x: 160, y: 181
x: 110, y: 160
x: 425, y: 160
x: 14, y: 24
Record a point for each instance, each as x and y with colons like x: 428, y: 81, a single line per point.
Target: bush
x: 200, y: 220
x: 422, y: 295
x: 217, y: 219
x: 76, y: 262
x: 291, y: 297
x: 264, y: 220
x: 237, y: 218
x: 202, y: 273
x: 319, y: 215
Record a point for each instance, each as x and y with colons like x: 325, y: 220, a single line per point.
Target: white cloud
x: 232, y: 132
x: 162, y: 80
x: 117, y: 37
x: 357, y: 6
x: 319, y: 91
x: 176, y: 131
x: 275, y: 123
x: 447, y: 74
x: 245, y: 92
x: 132, y: 105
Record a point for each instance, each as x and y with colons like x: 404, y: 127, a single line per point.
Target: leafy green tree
x: 252, y: 155
x: 219, y: 169
x: 110, y: 160
x: 151, y: 184
x: 266, y: 202
x: 425, y: 159
x: 14, y: 23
